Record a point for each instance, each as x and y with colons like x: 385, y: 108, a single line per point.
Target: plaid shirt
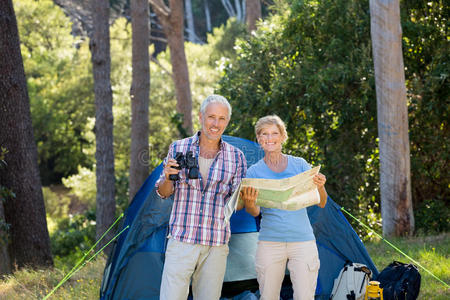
x: 198, y: 209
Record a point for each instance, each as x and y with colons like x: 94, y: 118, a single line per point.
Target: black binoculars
x: 188, y: 161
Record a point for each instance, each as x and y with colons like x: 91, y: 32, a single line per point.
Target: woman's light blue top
x: 282, y: 225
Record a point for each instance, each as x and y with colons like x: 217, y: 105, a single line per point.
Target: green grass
x: 432, y: 252
x: 31, y: 284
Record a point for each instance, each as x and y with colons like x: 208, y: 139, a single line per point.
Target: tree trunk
x: 207, y: 16
x: 253, y: 9
x: 172, y: 22
x: 192, y: 37
x: 139, y: 93
x: 104, y: 154
x: 29, y: 240
x: 395, y: 180
x: 5, y: 262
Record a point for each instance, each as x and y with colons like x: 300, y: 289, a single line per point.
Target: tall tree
x: 253, y: 9
x: 395, y: 178
x: 139, y: 93
x: 172, y: 20
x: 104, y: 154
x: 29, y: 239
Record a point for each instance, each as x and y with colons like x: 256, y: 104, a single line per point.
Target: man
x: 198, y: 229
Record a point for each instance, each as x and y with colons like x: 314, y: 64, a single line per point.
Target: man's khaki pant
x: 204, y: 264
x: 302, y: 261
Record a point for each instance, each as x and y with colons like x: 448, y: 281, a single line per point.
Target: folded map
x: 290, y: 193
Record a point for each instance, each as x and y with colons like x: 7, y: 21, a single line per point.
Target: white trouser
x: 204, y: 264
x: 303, y: 263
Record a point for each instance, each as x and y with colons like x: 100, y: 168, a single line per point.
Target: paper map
x: 291, y: 193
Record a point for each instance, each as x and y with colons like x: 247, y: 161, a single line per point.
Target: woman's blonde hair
x: 271, y: 120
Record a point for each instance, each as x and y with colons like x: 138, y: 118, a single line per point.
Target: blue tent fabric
x: 135, y: 266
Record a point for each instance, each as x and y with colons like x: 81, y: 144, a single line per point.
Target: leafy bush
x: 83, y: 185
x: 55, y: 206
x: 73, y: 237
x: 433, y: 216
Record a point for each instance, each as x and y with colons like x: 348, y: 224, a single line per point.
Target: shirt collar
x: 196, y: 140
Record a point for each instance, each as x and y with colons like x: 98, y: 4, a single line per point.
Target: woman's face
x: 270, y: 138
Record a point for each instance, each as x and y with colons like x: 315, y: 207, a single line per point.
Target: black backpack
x: 400, y: 281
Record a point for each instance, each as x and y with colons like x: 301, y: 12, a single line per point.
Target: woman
x: 285, y: 236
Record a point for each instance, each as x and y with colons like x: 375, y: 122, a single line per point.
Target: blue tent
x: 134, y: 268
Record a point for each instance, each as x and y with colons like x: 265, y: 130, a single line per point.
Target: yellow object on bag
x: 373, y: 291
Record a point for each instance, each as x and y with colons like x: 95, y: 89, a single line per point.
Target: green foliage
x: 223, y: 40
x: 427, y: 77
x: 433, y: 216
x: 55, y: 206
x: 57, y: 68
x: 74, y: 236
x: 83, y: 186
x: 311, y: 64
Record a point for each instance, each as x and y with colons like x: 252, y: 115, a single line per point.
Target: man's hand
x: 166, y: 188
x: 168, y: 168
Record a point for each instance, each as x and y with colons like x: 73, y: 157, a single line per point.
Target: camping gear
x: 352, y: 282
x: 134, y: 268
x: 400, y: 281
x: 373, y: 291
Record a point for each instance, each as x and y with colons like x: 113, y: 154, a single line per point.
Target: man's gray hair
x: 215, y: 99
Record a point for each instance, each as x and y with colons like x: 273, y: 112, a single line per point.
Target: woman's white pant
x: 303, y: 263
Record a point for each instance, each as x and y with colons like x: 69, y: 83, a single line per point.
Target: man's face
x: 214, y: 121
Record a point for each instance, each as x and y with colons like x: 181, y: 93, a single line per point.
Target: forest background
x: 331, y: 113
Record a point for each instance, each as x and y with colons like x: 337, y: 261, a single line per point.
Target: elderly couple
x: 197, y: 249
